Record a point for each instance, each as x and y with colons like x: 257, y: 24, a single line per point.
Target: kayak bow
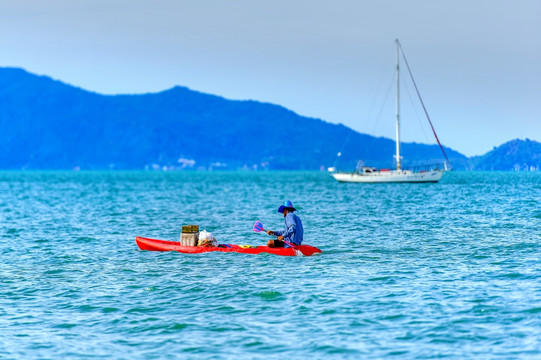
x: 163, y: 245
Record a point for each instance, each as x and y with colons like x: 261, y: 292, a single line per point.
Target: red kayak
x: 162, y: 245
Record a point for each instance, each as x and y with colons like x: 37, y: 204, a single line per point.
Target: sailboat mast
x: 398, y: 162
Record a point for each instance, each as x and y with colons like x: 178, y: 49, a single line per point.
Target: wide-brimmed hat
x: 287, y: 205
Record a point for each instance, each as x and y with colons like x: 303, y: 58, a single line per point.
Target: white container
x: 189, y: 239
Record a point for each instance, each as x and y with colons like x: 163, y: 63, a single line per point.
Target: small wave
x: 270, y: 295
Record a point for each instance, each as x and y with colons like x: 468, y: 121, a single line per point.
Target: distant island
x: 47, y: 124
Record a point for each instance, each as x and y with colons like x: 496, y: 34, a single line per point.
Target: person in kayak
x: 293, y: 231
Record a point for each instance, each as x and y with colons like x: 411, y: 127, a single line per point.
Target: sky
x: 476, y: 63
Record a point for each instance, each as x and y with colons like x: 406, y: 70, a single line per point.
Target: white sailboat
x: 365, y: 174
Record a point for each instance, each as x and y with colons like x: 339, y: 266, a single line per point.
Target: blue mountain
x: 515, y: 155
x: 47, y: 124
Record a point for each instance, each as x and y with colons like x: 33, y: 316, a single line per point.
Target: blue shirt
x: 293, y: 231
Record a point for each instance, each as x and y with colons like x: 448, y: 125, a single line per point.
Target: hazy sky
x: 477, y: 63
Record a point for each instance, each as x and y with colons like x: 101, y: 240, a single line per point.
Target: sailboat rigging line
x: 377, y: 94
x: 368, y: 116
x: 416, y: 112
x: 422, y: 103
x: 383, y: 104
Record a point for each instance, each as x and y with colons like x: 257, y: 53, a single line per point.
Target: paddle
x: 258, y: 227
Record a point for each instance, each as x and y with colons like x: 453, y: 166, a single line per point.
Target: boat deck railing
x: 426, y: 167
x: 412, y: 168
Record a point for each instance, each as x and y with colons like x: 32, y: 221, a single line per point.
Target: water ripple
x: 408, y: 271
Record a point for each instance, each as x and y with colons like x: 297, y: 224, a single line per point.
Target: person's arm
x: 289, y: 231
x: 275, y: 233
x: 291, y: 227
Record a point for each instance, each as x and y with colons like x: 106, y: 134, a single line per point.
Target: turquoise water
x: 408, y: 271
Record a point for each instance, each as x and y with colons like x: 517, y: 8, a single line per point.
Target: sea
x: 408, y: 271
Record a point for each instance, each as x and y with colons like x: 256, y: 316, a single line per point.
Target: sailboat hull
x: 395, y: 176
